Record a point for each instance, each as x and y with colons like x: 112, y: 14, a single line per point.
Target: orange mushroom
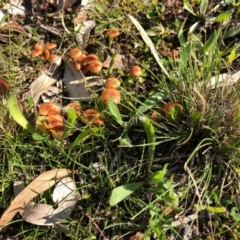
x: 55, y: 122
x: 53, y: 57
x: 4, y: 87
x: 95, y: 66
x: 156, y: 115
x: 49, y: 108
x: 168, y: 106
x: 50, y: 46
x: 111, y: 93
x: 75, y: 52
x: 112, y: 82
x: 136, y: 71
x: 37, y: 50
x: 93, y: 116
x: 45, y: 54
x: 113, y: 33
x: 76, y: 106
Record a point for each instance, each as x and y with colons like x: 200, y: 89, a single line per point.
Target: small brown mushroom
x: 93, y: 116
x: 76, y: 106
x: 50, y: 46
x: 37, y: 50
x: 75, y: 53
x: 95, y: 66
x: 112, y: 82
x: 45, y: 54
x: 168, y: 106
x: 49, y: 108
x: 111, y: 93
x: 113, y: 33
x: 136, y: 71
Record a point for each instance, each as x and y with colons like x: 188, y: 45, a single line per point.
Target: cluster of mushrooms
x: 51, y: 118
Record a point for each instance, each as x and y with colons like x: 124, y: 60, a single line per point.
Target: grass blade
x: 149, y: 43
x: 149, y: 129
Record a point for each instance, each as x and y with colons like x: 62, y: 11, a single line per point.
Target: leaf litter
x: 43, y: 182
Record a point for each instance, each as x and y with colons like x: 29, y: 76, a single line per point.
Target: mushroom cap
x: 113, y: 33
x: 80, y: 59
x: 93, y: 116
x: 50, y: 46
x: 45, y: 54
x: 95, y: 66
x: 112, y: 82
x: 76, y: 106
x: 37, y: 50
x: 135, y: 71
x: 49, y: 108
x: 4, y: 87
x: 75, y: 52
x: 53, y: 57
x: 168, y: 106
x: 55, y: 122
x: 111, y: 92
x: 89, y: 58
x: 37, y: 47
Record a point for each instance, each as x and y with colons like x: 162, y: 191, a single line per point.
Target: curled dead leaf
x: 43, y: 182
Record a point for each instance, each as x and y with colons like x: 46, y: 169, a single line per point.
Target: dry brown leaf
x: 85, y: 28
x: 36, y: 187
x: 81, y: 17
x: 137, y: 236
x: 76, y: 91
x: 64, y: 195
x: 117, y: 62
x: 39, y: 86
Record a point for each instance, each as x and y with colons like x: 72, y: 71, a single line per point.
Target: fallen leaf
x: 64, y: 195
x: 85, y: 29
x: 137, y: 236
x: 36, y: 187
x: 75, y: 87
x: 116, y: 64
x: 81, y: 17
x: 41, y: 85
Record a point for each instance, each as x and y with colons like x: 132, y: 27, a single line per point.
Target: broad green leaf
x: 158, y: 176
x: 235, y: 214
x: 151, y: 139
x: 120, y: 193
x: 17, y: 115
x: 100, y: 8
x: 71, y: 121
x: 125, y: 140
x: 115, y: 111
x: 149, y: 43
x: 188, y: 7
x: 203, y: 7
x: 232, y: 32
x: 228, y: 50
x: 232, y: 56
x: 224, y: 16
x: 84, y: 135
x: 151, y: 102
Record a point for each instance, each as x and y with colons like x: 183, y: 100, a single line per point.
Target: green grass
x: 150, y: 172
